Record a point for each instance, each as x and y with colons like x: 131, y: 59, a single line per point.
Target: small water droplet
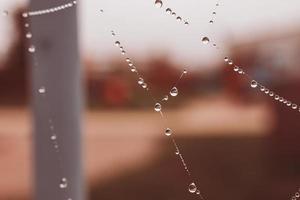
x: 276, y: 97
x: 254, y: 84
x: 289, y: 103
x: 144, y: 85
x: 140, y: 81
x: 179, y: 19
x: 168, y: 132
x: 230, y: 62
x: 236, y: 68
x: 271, y: 94
x: 63, y: 183
x: 198, y: 192
x: 211, y: 21
x: 53, y: 137
x: 117, y: 43
x: 5, y: 13
x: 186, y: 23
x: 26, y: 25
x: 28, y: 35
x: 42, y: 90
x: 192, y: 188
x: 158, y: 3
x: 128, y: 60
x: 102, y: 11
x: 214, y: 13
x: 297, y: 195
x: 157, y: 107
x: 166, y: 98
x: 262, y: 88
x: 173, y: 13
x: 226, y: 59
x: 185, y: 71
x: 294, y: 106
x: 31, y: 49
x: 174, y: 92
x: 25, y: 15
x: 123, y: 52
x: 267, y: 91
x: 169, y: 11
x: 205, y: 40
x: 177, y: 152
x: 133, y: 69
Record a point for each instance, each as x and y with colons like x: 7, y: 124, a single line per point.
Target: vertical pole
x: 56, y: 66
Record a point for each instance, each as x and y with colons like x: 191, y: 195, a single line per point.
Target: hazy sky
x: 146, y: 30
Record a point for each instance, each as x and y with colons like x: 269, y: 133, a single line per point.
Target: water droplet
x: 157, y: 107
x: 140, y: 81
x: 63, y: 183
x: 217, y: 4
x: 214, y: 13
x: 174, y: 92
x: 179, y: 19
x: 198, y: 192
x: 226, y: 59
x: 186, y: 23
x: 254, y: 84
x: 53, y: 137
x: 267, y: 91
x: 128, y: 60
x: 133, y: 69
x: 31, y: 49
x: 262, y: 88
x: 144, y: 85
x: 230, y: 62
x: 25, y: 15
x: 123, y: 52
x: 294, y: 106
x: 117, y: 43
x: 173, y: 13
x: 289, y: 103
x: 166, y: 98
x: 26, y: 25
x: 168, y: 132
x: 211, y: 21
x: 42, y: 90
x: 276, y: 97
x: 177, y: 152
x: 169, y: 11
x: 297, y: 195
x: 281, y: 99
x: 28, y: 35
x: 192, y: 188
x: 236, y: 68
x: 271, y: 94
x: 185, y: 71
x: 158, y: 3
x: 205, y: 40
x: 5, y: 13
x: 102, y: 11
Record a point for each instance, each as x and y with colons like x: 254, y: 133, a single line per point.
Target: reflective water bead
x: 281, y: 99
x: 192, y: 188
x: 185, y: 71
x: 128, y: 60
x: 240, y: 71
x: 179, y: 19
x: 214, y: 13
x: 211, y: 21
x: 133, y: 69
x: 166, y: 98
x: 271, y: 94
x: 262, y: 88
x: 123, y: 52
x: 169, y: 11
x: 276, y: 97
x: 226, y: 59
x: 28, y: 35
x: 294, y: 106
x: 26, y: 25
x: 42, y: 90
x: 173, y: 13
x: 236, y: 68
x: 168, y: 132
x: 267, y: 91
x: 174, y: 92
x: 177, y: 152
x: 254, y: 84
x: 158, y: 3
x: 297, y: 194
x: 198, y: 192
x: 186, y: 23
x: 53, y: 137
x: 31, y: 49
x: 140, y: 81
x: 117, y: 43
x: 63, y: 183
x: 5, y: 13
x: 289, y: 103
x: 157, y: 107
x: 230, y: 62
x: 205, y: 40
x: 144, y: 85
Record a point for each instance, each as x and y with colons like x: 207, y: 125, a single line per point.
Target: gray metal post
x: 57, y: 68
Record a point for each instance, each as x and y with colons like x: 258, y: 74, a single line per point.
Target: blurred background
x: 238, y: 142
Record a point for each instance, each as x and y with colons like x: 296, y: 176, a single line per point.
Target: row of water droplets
x: 192, y: 188
x: 256, y: 85
x: 42, y: 91
x: 169, y: 11
x: 253, y: 83
x: 296, y: 196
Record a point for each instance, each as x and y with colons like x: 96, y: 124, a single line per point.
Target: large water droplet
x: 205, y: 40
x: 174, y: 92
x: 158, y: 3
x: 157, y: 107
x: 63, y: 183
x: 254, y: 84
x: 31, y: 49
x: 192, y: 188
x: 168, y: 132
